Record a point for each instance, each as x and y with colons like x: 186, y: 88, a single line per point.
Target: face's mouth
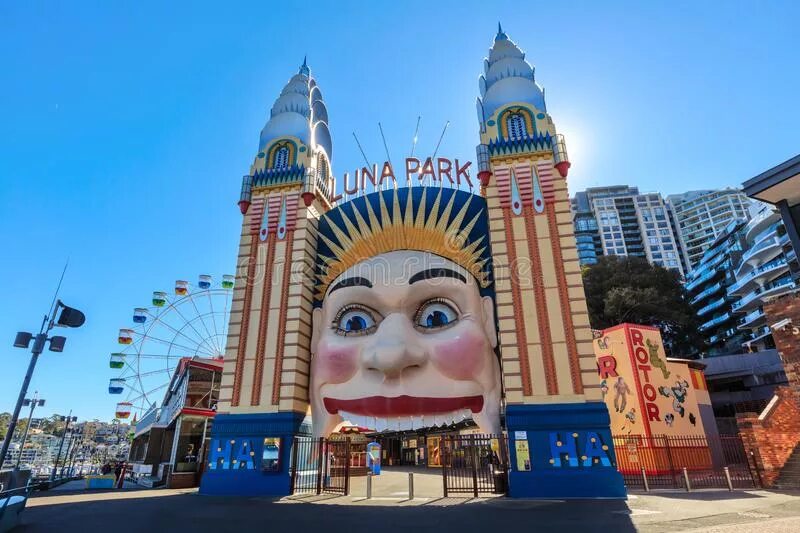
x: 381, y: 406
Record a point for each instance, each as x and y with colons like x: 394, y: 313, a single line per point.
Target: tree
x: 5, y: 419
x: 629, y: 289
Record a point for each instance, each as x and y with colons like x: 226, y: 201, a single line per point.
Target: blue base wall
x: 234, y: 459
x: 570, y: 449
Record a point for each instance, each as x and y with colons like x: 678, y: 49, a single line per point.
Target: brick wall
x: 771, y: 436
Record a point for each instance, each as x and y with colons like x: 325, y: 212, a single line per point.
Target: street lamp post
x: 69, y: 418
x: 34, y: 403
x: 68, y: 317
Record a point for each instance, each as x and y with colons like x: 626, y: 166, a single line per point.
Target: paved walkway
x: 175, y: 510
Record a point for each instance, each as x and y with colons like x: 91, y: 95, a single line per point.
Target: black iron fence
x: 661, y: 461
x: 320, y: 466
x: 474, y: 464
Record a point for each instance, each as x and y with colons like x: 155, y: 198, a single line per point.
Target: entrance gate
x: 474, y: 464
x: 320, y: 466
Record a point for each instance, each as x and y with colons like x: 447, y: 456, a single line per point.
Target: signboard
x: 523, y: 455
x: 415, y: 172
x: 520, y: 435
x: 374, y: 458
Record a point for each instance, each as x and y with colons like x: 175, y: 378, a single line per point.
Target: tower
x: 558, y: 428
x: 264, y: 389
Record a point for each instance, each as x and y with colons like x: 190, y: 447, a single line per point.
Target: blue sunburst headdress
x: 447, y: 222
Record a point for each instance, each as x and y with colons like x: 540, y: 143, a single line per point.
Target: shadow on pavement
x: 191, y: 512
x: 704, y: 495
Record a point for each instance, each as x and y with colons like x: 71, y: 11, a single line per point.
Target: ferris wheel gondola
x: 191, y: 322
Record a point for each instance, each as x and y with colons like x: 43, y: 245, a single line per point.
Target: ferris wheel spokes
x: 156, y: 319
x: 186, y: 324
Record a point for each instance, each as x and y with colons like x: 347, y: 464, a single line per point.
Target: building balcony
x: 716, y: 304
x: 752, y: 319
x: 763, y: 251
x: 706, y: 293
x: 760, y: 276
x: 716, y: 321
x: 707, y: 275
x: 758, y: 334
x: 760, y: 222
x: 757, y: 297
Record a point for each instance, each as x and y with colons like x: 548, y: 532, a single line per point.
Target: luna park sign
x: 415, y: 172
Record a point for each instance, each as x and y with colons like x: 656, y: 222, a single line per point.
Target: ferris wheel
x: 190, y: 322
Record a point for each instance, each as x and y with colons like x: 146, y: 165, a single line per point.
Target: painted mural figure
x: 655, y: 360
x: 404, y: 338
x: 621, y: 391
x: 678, y: 393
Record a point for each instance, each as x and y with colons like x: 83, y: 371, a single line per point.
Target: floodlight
x: 23, y: 339
x: 70, y: 317
x: 57, y: 343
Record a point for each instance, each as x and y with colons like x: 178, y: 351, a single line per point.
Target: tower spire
x: 304, y: 67
x: 500, y: 35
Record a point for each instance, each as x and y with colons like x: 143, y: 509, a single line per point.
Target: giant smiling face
x: 404, y: 340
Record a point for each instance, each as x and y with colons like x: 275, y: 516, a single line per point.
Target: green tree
x: 629, y: 289
x: 5, y: 418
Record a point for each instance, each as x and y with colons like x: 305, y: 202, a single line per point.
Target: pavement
x: 390, y: 511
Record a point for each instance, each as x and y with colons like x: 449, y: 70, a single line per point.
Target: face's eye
x: 355, y: 320
x: 435, y: 314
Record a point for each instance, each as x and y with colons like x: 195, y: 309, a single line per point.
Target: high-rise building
x: 763, y: 273
x: 742, y: 269
x: 587, y: 233
x: 628, y: 223
x: 780, y: 186
x: 707, y: 285
x: 702, y: 216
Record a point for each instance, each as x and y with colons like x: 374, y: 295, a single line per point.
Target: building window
x: 516, y: 127
x: 281, y: 158
x: 322, y: 168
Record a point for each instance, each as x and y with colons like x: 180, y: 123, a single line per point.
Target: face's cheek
x: 461, y: 352
x: 336, y: 360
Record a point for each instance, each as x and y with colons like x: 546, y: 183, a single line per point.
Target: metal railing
x: 320, y: 466
x: 750, y: 317
x: 716, y: 304
x: 474, y: 464
x: 709, y: 291
x: 688, y: 462
x: 714, y: 321
x: 771, y: 265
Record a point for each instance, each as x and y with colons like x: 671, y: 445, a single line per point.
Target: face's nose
x: 395, y: 349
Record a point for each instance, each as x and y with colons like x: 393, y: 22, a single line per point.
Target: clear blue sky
x: 125, y: 128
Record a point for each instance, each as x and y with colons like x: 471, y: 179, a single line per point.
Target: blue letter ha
x: 595, y: 450
x: 559, y: 447
x: 218, y: 454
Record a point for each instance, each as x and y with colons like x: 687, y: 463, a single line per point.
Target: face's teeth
x: 380, y: 423
x: 405, y: 423
x: 354, y: 419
